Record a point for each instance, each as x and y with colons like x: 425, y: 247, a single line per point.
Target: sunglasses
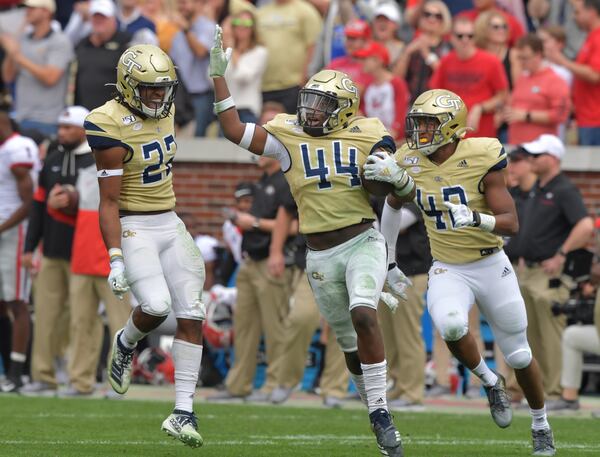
x: 462, y: 36
x: 499, y: 26
x: 430, y: 15
x: 240, y: 22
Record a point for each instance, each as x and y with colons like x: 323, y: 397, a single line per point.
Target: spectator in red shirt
x: 475, y: 75
x: 357, y: 34
x: 387, y: 96
x: 586, y: 72
x: 516, y: 29
x: 539, y: 102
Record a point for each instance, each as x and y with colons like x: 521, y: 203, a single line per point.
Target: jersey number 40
x: 438, y: 211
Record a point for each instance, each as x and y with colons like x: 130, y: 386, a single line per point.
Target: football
x: 377, y: 188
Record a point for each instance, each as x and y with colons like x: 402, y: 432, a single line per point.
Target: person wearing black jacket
x: 51, y: 224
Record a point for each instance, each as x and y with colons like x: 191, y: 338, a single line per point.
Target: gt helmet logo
x: 349, y: 85
x: 129, y: 62
x: 447, y: 101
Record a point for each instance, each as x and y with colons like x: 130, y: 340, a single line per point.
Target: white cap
x: 73, y: 115
x: 546, y: 144
x: 389, y: 10
x: 106, y: 8
x: 50, y: 5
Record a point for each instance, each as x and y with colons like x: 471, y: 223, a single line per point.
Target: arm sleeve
x: 35, y: 226
x: 275, y: 149
x: 60, y: 54
x: 390, y: 228
x: 571, y: 203
x: 559, y: 101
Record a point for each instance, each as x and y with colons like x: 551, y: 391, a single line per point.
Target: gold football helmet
x: 146, y: 66
x: 327, y: 102
x: 437, y: 117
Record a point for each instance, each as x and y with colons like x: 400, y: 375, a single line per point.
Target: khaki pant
x: 262, y: 307
x: 51, y: 308
x: 300, y: 326
x: 441, y: 354
x: 86, y: 293
x: 544, y: 330
x: 404, y: 346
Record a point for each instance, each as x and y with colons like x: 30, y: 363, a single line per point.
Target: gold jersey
x: 457, y: 180
x: 324, y: 175
x: 147, y: 176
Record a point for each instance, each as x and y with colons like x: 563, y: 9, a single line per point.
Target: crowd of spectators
x: 524, y: 69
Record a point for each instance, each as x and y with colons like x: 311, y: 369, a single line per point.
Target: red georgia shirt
x: 475, y: 80
x: 586, y: 94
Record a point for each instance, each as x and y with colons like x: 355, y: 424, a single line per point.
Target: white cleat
x: 183, y: 426
x: 120, y: 365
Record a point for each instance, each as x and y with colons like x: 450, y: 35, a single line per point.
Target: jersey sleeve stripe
x: 90, y: 126
x: 387, y: 143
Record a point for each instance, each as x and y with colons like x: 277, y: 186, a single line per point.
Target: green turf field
x: 35, y: 427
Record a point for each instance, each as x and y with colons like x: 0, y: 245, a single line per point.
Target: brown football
x: 377, y: 188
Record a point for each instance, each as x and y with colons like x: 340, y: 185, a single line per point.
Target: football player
x: 322, y: 150
x: 132, y: 137
x: 461, y: 191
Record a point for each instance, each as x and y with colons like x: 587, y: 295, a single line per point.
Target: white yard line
x: 310, y: 440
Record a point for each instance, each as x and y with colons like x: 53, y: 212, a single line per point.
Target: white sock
x: 374, y: 376
x: 187, y: 358
x: 18, y: 357
x: 539, y: 419
x: 131, y: 334
x: 483, y: 372
x: 359, y: 383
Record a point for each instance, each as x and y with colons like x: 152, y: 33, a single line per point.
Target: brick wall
x: 589, y: 185
x: 203, y: 189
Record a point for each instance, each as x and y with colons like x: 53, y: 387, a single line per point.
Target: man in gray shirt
x: 38, y: 62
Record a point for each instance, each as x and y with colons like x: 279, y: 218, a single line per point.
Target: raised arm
x: 248, y: 136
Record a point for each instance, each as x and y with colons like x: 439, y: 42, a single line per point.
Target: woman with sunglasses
x: 422, y: 55
x: 247, y: 66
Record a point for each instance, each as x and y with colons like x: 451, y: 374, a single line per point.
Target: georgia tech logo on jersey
x: 128, y: 233
x: 349, y: 85
x: 318, y: 276
x: 447, y: 101
x: 439, y: 271
x: 129, y: 62
x: 129, y: 119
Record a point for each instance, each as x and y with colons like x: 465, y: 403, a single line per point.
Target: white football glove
x: 398, y: 282
x: 462, y: 215
x: 381, y: 166
x: 218, y: 58
x: 116, y: 278
x: 390, y: 301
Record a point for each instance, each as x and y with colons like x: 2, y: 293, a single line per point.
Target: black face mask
x: 314, y: 104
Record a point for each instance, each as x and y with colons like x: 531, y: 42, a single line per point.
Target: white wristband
x: 488, y: 222
x: 223, y: 105
x: 248, y: 135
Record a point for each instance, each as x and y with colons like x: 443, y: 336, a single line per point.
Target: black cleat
x: 499, y: 401
x: 388, y: 438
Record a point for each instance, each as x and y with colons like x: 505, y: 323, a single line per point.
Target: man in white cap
x: 98, y: 54
x: 38, y: 64
x: 386, y: 22
x: 52, y: 220
x: 557, y: 223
